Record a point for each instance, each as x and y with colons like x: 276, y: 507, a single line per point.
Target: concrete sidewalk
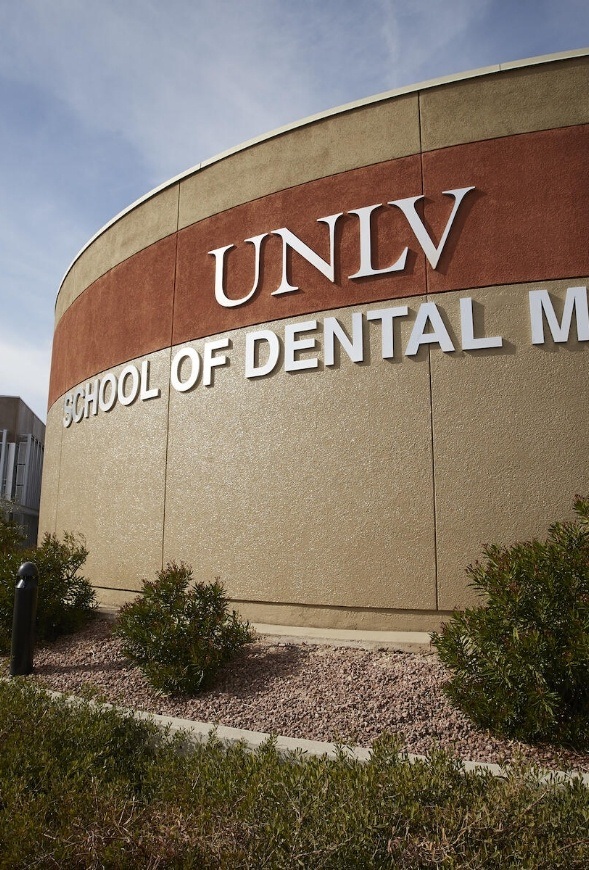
x: 413, y: 641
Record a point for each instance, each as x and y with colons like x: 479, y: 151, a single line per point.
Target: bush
x: 66, y: 599
x: 179, y: 634
x: 66, y: 772
x: 83, y: 786
x: 11, y: 535
x: 520, y: 662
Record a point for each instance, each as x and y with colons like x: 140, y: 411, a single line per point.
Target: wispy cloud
x: 181, y: 81
x: 424, y: 35
x: 24, y: 371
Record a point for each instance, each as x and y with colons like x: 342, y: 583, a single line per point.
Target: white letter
x: 91, y: 397
x: 469, y: 342
x: 146, y: 393
x: 67, y: 410
x: 186, y: 353
x: 289, y: 239
x: 332, y: 329
x: 103, y: 403
x: 386, y: 316
x: 407, y: 206
x: 210, y: 361
x: 128, y: 372
x: 292, y: 345
x: 576, y: 299
x: 428, y: 311
x: 77, y: 414
x: 219, y: 255
x: 251, y: 340
x: 364, y: 215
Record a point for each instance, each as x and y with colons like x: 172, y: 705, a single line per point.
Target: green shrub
x: 180, y: 634
x: 66, y: 773
x: 65, y: 600
x: 88, y: 787
x: 520, y: 662
x: 11, y: 534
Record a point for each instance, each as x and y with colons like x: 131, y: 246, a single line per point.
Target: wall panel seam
x: 165, y: 494
x: 429, y: 373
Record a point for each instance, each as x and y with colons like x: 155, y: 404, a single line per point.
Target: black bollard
x: 23, y: 620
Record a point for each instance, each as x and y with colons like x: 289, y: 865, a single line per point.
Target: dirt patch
x: 298, y: 690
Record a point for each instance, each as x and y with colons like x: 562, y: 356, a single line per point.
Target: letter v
x: 407, y: 206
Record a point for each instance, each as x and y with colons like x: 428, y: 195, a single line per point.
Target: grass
x: 81, y: 786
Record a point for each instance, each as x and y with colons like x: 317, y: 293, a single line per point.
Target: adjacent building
x: 22, y: 437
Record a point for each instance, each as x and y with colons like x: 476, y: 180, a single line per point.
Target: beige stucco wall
x: 510, y: 434
x: 306, y: 485
x: 111, y: 484
x: 519, y: 100
x: 350, y: 496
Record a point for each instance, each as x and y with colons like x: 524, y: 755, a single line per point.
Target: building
x: 22, y: 436
x: 329, y: 365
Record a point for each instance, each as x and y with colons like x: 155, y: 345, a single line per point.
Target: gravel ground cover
x: 298, y: 690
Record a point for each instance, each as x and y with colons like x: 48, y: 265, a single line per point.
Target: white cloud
x: 423, y: 34
x: 36, y: 244
x: 24, y: 370
x: 182, y: 80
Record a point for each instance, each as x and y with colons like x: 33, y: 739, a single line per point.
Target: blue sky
x: 102, y: 100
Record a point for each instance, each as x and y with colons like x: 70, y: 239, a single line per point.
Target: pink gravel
x: 305, y: 690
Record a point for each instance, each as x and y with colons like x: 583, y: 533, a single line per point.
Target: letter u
x: 219, y: 255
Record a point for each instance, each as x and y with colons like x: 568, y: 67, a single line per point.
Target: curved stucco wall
x: 346, y: 488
